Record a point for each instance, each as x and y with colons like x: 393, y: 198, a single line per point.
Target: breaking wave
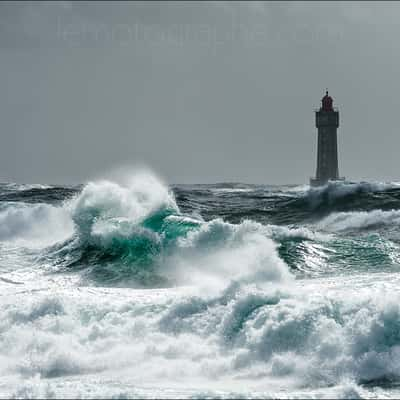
x: 217, y: 297
x: 34, y: 225
x: 133, y: 233
x: 286, y: 204
x: 277, y: 333
x: 137, y: 233
x: 362, y: 220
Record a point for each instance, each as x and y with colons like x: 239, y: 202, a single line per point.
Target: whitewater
x: 132, y: 288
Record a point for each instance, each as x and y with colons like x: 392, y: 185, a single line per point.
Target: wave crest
x: 135, y: 234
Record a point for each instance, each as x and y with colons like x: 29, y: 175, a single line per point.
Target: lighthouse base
x: 314, y: 182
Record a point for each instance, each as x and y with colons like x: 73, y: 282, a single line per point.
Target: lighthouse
x: 327, y: 122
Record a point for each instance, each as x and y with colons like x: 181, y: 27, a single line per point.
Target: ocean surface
x: 130, y: 288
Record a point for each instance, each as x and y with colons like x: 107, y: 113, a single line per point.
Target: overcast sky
x: 199, y: 92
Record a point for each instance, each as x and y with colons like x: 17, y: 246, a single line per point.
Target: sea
x: 133, y: 288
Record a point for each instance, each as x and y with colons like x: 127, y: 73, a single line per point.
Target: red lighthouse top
x: 327, y: 103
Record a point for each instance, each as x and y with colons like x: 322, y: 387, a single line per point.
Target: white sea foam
x: 244, y: 326
x: 270, y: 339
x: 100, y: 203
x: 283, y: 232
x: 232, y: 190
x: 34, y: 225
x: 217, y: 250
x: 133, y: 200
x: 24, y: 186
x: 333, y: 191
x: 359, y: 220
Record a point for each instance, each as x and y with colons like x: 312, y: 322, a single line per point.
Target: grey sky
x: 199, y: 92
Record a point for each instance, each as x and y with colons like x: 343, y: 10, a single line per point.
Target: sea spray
x: 136, y: 235
x: 244, y: 293
x: 361, y: 220
x: 37, y: 225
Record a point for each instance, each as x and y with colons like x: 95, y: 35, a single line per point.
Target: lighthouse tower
x: 327, y: 122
